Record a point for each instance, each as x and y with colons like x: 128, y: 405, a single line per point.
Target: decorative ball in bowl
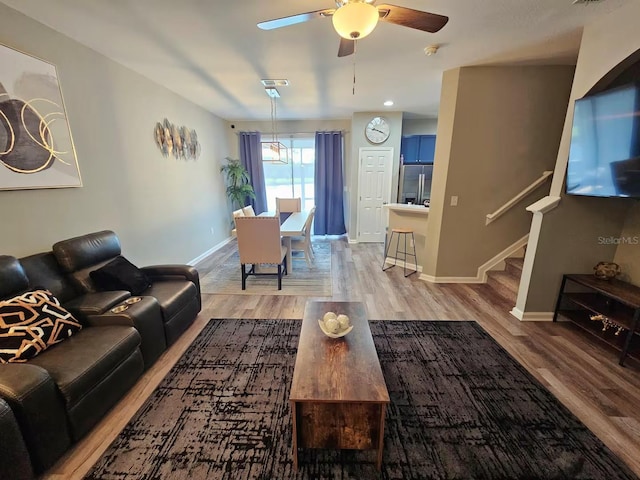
x: 335, y: 326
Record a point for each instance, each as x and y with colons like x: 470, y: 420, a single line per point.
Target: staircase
x: 506, y: 282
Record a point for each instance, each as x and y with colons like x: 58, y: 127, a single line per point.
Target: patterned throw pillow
x: 32, y: 322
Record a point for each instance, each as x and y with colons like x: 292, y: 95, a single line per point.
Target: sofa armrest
x: 39, y: 410
x: 157, y: 272
x: 95, y: 303
x: 14, y: 461
x: 146, y: 317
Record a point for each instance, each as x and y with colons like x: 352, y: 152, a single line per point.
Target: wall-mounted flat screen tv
x: 604, y: 157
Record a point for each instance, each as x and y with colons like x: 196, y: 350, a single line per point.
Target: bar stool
x: 405, y: 232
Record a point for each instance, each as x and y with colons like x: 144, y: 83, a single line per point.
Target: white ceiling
x: 211, y: 52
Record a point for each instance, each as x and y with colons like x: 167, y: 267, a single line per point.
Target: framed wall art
x: 36, y: 147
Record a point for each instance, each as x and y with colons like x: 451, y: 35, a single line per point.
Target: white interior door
x: 374, y: 190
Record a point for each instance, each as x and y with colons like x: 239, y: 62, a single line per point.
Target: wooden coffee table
x: 338, y: 394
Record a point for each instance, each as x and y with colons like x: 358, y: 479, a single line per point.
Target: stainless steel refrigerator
x: 415, y: 183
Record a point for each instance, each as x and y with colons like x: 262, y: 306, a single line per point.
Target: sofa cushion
x: 121, y: 274
x: 172, y: 295
x: 86, y: 250
x: 95, y: 303
x: 15, y: 462
x: 32, y: 322
x: 85, y: 360
x: 78, y: 256
x: 13, y: 279
x: 43, y: 271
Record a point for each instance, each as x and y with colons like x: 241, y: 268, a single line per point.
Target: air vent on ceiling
x: 578, y: 2
x: 274, y: 82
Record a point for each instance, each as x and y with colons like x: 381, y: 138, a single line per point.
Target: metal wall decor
x: 180, y: 142
x: 36, y: 149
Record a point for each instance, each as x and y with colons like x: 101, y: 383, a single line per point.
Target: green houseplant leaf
x: 237, y: 179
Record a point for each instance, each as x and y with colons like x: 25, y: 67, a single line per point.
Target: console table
x: 614, y: 301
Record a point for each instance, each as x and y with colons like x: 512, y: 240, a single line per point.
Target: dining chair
x: 288, y: 204
x: 259, y: 243
x: 303, y: 243
x: 236, y: 214
x: 248, y: 211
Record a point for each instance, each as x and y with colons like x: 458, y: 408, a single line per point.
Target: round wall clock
x: 377, y: 130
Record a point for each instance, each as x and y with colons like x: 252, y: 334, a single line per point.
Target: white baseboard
x: 199, y: 258
x: 484, y: 268
x: 532, y: 316
x: 497, y: 259
x: 433, y: 279
x: 400, y: 263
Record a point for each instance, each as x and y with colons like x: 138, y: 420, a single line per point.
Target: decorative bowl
x: 340, y: 333
x: 606, y: 270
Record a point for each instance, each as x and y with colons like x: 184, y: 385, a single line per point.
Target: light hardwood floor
x: 581, y: 373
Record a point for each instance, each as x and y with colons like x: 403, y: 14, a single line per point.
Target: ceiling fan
x: 355, y: 19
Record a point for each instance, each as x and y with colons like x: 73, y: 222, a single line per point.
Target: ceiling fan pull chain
x: 355, y: 44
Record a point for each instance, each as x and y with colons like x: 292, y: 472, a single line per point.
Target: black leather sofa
x: 15, y: 458
x: 59, y: 395
x: 175, y: 287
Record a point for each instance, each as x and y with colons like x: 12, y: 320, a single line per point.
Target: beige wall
x: 419, y: 126
x: 628, y: 243
x: 164, y: 210
x: 358, y: 124
x: 497, y: 132
x: 444, y: 142
x: 569, y: 235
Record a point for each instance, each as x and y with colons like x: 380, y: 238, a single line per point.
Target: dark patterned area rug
x: 461, y: 408
x: 302, y: 280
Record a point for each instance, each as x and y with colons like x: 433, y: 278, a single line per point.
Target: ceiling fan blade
x: 347, y: 47
x: 408, y: 17
x: 294, y: 19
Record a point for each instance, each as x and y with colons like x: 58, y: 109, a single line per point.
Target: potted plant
x: 238, y: 187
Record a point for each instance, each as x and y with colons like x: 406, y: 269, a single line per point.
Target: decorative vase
x: 606, y: 270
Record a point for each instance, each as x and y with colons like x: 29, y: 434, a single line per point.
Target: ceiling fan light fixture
x: 355, y: 20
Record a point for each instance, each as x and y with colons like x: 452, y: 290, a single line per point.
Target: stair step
x: 514, y: 265
x: 504, y: 283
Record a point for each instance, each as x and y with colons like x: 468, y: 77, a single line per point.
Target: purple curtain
x: 329, y: 187
x: 251, y: 158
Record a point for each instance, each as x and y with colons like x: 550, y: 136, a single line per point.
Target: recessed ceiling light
x: 388, y: 103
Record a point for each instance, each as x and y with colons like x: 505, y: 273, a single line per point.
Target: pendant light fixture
x: 274, y: 151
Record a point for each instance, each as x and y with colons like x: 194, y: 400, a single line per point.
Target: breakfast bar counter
x: 414, y: 217
x: 404, y: 208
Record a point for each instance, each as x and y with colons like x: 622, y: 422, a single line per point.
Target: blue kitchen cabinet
x: 418, y: 149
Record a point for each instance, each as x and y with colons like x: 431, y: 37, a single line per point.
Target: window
x: 295, y: 178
